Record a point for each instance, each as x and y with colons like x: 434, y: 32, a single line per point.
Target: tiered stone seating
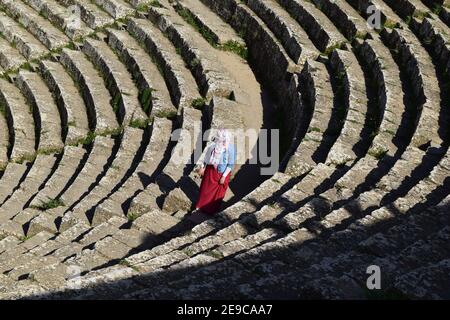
x: 119, y: 82
x: 47, y: 118
x: 179, y: 79
x: 294, y: 38
x: 145, y: 171
x: 71, y: 106
x: 60, y: 17
x: 91, y: 14
x: 220, y: 32
x: 41, y: 28
x: 20, y: 120
x: 67, y: 169
x: 37, y: 175
x: 154, y: 94
x: 95, y: 95
x: 27, y: 45
x: 10, y: 58
x: 212, y: 79
x: 324, y: 34
x: 96, y: 196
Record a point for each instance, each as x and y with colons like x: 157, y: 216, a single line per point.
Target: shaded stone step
x: 146, y: 169
x: 35, y: 178
x: 347, y: 68
x: 11, y: 178
x: 319, y: 28
x: 294, y: 39
x: 67, y: 168
x: 435, y: 277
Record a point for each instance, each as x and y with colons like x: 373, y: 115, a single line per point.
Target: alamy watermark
x: 374, y: 280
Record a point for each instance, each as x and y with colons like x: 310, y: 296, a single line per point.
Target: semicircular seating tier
x: 104, y: 103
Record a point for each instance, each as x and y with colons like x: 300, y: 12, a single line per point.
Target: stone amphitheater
x: 92, y: 205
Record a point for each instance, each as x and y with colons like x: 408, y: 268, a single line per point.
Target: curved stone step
x: 116, y: 8
x: 295, y: 40
x: 347, y: 68
x: 69, y: 101
x: 20, y: 121
x: 423, y: 74
x: 436, y: 35
x: 212, y: 78
x: 95, y: 95
x: 10, y: 57
x: 36, y: 177
x: 319, y: 28
x: 41, y: 28
x: 60, y: 17
x: 26, y: 43
x: 4, y: 139
x: 220, y: 32
x: 118, y: 81
x: 90, y: 13
x: 316, y: 89
x: 345, y: 18
x: 47, y: 116
x: 154, y: 94
x: 71, y: 159
x: 180, y: 81
x: 145, y: 171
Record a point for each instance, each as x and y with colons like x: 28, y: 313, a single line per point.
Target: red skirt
x: 211, y: 191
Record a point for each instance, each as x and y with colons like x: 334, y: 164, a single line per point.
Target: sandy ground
x: 255, y: 104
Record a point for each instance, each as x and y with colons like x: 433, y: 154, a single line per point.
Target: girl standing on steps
x: 215, y: 171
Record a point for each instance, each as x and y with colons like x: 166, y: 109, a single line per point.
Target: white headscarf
x: 222, y: 140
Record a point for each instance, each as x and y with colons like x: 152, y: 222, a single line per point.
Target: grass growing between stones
x: 132, y: 216
x: 50, y: 204
x: 198, y: 103
x: 235, y: 47
x: 230, y: 46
